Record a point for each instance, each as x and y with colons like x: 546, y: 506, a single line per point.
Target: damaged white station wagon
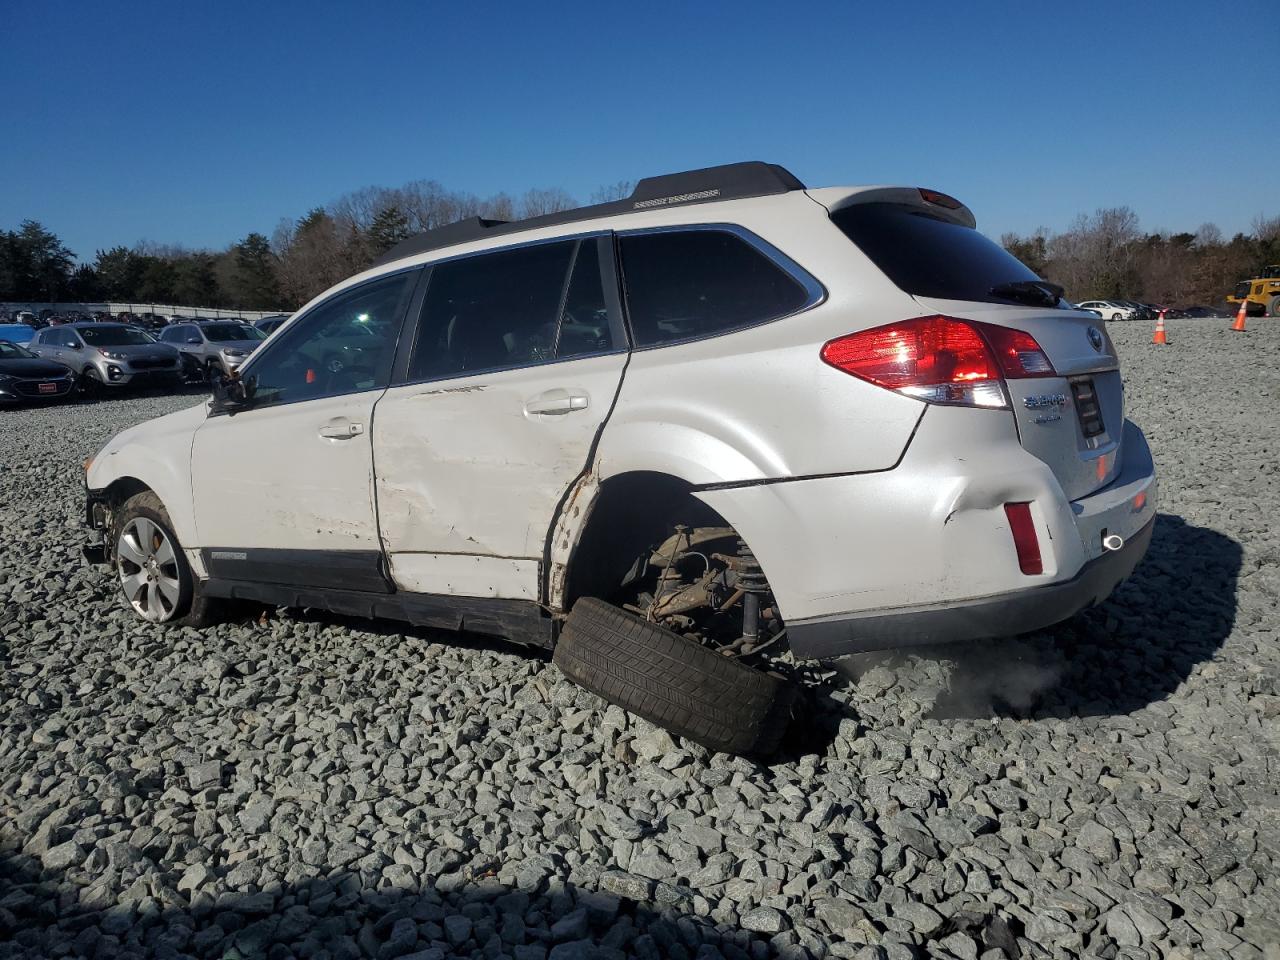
x: 671, y: 437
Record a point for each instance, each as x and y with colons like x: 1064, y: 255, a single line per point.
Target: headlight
x: 111, y: 354
x: 236, y: 354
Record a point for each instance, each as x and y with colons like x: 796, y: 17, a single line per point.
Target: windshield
x: 928, y: 256
x: 11, y: 351
x: 225, y: 332
x: 114, y: 336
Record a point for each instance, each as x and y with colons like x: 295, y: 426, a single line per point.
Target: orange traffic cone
x: 1160, y: 336
x: 1240, y: 315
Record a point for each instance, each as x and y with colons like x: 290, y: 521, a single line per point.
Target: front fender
x: 157, y: 454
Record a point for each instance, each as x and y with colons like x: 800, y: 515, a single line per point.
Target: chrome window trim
x: 815, y: 292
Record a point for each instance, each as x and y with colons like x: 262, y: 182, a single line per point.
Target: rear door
x: 512, y: 372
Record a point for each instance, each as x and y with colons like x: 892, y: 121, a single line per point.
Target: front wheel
x: 155, y: 578
x: 91, y: 385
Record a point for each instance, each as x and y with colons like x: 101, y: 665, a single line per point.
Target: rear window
x: 930, y: 257
x: 227, y: 332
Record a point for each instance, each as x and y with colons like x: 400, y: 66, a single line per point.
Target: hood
x: 33, y: 369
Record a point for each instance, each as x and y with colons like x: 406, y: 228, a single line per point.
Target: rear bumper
x: 924, y: 553
x: 1005, y: 615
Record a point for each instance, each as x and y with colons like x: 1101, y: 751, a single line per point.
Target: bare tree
x: 1208, y: 235
x: 1266, y: 229
x: 537, y: 202
x: 613, y: 191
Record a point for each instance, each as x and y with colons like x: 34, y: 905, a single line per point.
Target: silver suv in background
x: 109, y: 355
x: 211, y: 348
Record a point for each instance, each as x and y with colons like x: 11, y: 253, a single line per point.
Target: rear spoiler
x: 938, y: 204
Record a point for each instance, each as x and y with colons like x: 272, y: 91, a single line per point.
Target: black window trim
x: 407, y: 298
x: 815, y: 292
x: 608, y: 280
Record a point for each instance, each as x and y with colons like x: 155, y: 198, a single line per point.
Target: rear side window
x: 927, y: 256
x: 512, y: 308
x: 687, y: 284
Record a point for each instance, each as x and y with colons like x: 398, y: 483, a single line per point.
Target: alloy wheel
x: 148, y: 568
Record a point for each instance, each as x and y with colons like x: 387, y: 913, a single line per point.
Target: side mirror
x: 231, y: 395
x: 194, y: 340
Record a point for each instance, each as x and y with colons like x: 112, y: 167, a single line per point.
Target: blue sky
x: 197, y: 123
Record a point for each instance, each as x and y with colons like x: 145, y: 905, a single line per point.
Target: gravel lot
x: 314, y: 787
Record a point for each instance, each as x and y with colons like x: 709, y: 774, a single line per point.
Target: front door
x: 283, y: 490
x: 517, y: 358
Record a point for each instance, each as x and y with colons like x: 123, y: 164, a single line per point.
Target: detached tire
x: 673, y: 681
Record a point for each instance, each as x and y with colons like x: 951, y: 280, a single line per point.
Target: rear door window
x: 928, y: 256
x: 688, y: 284
x: 512, y: 308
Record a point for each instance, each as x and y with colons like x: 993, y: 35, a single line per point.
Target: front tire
x: 155, y: 579
x: 673, y: 681
x: 91, y: 385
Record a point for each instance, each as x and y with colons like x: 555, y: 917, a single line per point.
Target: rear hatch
x: 926, y: 243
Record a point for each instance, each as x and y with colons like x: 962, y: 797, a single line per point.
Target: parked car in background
x: 20, y: 333
x: 1110, y: 309
x: 1200, y: 312
x: 212, y: 348
x: 609, y: 432
x: 1096, y: 313
x: 25, y: 377
x: 110, y: 356
x: 269, y: 325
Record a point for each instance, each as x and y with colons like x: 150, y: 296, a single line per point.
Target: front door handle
x: 557, y: 402
x: 340, y: 428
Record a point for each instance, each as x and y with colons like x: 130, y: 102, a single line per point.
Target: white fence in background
x: 115, y: 309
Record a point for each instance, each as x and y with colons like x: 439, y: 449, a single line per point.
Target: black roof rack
x: 731, y: 181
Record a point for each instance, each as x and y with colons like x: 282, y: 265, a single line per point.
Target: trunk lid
x: 1074, y: 422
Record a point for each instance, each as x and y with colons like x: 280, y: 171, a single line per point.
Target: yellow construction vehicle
x: 1264, y: 291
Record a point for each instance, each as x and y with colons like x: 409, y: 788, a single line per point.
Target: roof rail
x: 730, y: 181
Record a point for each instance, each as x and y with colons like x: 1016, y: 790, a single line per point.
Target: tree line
x: 1098, y: 256
x: 1106, y: 255
x: 299, y: 260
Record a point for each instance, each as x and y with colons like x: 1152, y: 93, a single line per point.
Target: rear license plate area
x: 1088, y: 408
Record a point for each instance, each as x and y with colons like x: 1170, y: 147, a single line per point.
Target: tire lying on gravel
x: 155, y: 579
x: 673, y: 681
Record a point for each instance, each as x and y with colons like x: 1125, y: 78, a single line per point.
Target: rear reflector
x: 1025, y: 540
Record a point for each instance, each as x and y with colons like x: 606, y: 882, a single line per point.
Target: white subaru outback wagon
x: 673, y: 437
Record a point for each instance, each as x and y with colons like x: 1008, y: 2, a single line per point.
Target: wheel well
x: 118, y: 491
x: 632, y: 512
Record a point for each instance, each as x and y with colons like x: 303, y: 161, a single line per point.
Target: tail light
x: 941, y: 359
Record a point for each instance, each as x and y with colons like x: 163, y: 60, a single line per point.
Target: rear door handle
x: 340, y: 428
x: 557, y: 402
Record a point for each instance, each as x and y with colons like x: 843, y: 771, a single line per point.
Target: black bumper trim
x: 1005, y: 615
